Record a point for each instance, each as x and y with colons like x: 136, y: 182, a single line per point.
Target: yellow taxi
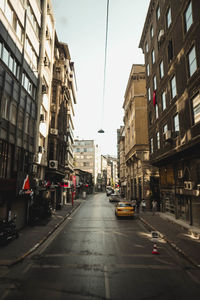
x: 124, y: 209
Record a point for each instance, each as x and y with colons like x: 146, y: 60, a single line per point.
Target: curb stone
x: 172, y: 244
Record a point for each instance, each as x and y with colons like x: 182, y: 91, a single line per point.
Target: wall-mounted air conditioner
x: 54, y: 131
x: 53, y: 164
x: 190, y: 185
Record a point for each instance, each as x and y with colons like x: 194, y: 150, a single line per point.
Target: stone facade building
x: 171, y: 45
x: 139, y: 173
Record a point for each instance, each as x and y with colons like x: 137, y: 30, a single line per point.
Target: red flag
x: 154, y: 98
x: 26, y: 184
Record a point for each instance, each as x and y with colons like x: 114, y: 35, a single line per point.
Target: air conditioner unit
x: 54, y: 131
x: 190, y: 185
x: 53, y: 164
x: 161, y: 35
x: 44, y: 89
x: 180, y: 173
x: 34, y: 168
x: 53, y: 107
x: 167, y: 135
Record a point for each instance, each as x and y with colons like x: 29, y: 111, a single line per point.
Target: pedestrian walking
x: 154, y: 207
x: 143, y: 204
x: 138, y: 206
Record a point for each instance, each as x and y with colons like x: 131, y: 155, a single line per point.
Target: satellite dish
x: 100, y: 131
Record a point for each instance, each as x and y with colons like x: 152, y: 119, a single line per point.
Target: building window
x: 148, y: 70
x: 153, y: 56
x: 13, y: 114
x: 158, y: 13
x: 169, y: 17
x: 173, y: 87
x: 151, y: 31
x: 146, y: 47
x: 5, y: 56
x: 156, y: 110
x: 158, y: 139
x: 188, y: 17
x: 192, y: 61
x: 163, y: 101
x: 161, y: 69
x: 196, y: 108
x: 5, y: 108
x: 176, y: 123
x: 154, y: 83
x: 149, y: 94
x: 151, y: 145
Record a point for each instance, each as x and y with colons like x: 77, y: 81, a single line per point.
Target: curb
x: 172, y: 244
x: 19, y: 259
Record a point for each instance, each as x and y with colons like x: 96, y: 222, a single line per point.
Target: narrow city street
x: 94, y: 255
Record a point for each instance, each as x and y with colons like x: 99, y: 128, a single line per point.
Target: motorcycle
x: 8, y: 231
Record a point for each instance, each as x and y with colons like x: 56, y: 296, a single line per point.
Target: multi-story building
x: 87, y: 157
x: 60, y: 150
x: 138, y: 171
x: 20, y: 27
x: 45, y: 71
x: 121, y: 160
x: 170, y: 43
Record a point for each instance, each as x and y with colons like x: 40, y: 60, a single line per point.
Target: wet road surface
x: 94, y: 255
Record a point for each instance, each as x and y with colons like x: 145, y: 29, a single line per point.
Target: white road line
x: 26, y: 269
x: 107, y: 285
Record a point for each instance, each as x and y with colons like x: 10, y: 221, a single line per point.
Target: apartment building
x: 121, y: 159
x: 60, y: 150
x: 86, y: 156
x: 138, y: 171
x: 171, y: 46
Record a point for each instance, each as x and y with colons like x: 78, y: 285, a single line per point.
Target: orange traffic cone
x: 155, y: 250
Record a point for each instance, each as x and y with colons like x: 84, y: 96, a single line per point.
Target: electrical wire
x: 105, y: 60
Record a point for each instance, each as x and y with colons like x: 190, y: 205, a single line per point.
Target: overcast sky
x: 82, y: 25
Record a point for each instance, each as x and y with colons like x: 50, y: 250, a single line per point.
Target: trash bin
x: 84, y: 195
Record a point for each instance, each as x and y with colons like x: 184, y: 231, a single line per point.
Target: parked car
x: 124, y: 209
x: 109, y: 190
x: 115, y: 197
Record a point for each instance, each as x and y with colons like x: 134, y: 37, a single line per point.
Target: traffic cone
x: 155, y: 250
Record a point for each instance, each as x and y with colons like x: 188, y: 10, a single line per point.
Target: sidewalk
x: 31, y: 237
x: 179, y: 235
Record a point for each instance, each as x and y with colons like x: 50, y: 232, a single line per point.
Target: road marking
x: 107, y: 285
x: 194, y: 278
x: 26, y: 269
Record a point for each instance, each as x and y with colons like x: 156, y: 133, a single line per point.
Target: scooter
x: 8, y: 231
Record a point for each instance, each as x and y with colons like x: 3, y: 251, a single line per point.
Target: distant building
x: 86, y: 157
x: 170, y: 43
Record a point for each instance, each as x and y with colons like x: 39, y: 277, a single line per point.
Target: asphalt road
x: 93, y: 255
